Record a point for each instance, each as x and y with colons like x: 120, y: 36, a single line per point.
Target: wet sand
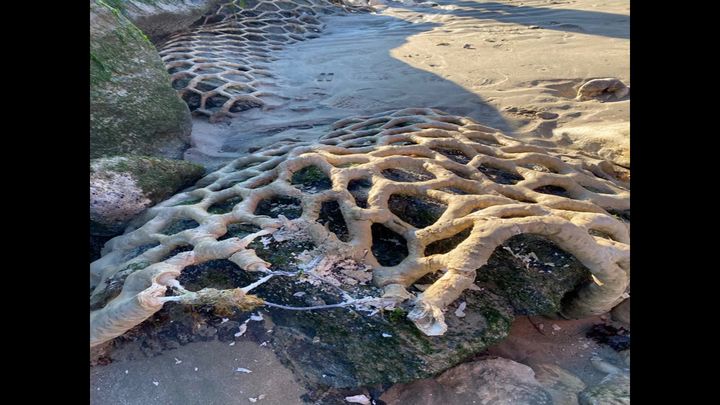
x: 512, y: 65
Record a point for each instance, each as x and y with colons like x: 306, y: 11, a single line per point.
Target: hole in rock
x: 243, y: 105
x: 454, y: 154
x: 621, y: 215
x: 221, y: 274
x: 289, y: 206
x: 209, y: 84
x: 407, y: 175
x: 311, y: 179
x: 225, y: 206
x: 215, y: 102
x: 180, y: 83
x: 417, y: 211
x: 332, y: 217
x: 600, y: 234
x: 534, y: 273
x: 402, y: 143
x: 360, y: 189
x: 190, y: 201
x: 140, y: 250
x: 281, y: 255
x: 443, y: 246
x: 500, y: 176
x: 239, y: 230
x: 192, y: 99
x: 389, y: 247
x: 553, y: 190
x: 538, y: 167
x: 179, y: 225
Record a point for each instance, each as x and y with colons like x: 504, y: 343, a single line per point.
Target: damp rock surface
x: 122, y: 187
x: 534, y: 274
x: 490, y: 381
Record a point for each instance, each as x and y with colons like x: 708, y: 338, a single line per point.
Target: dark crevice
x: 289, y: 206
x: 331, y: 216
x: 225, y: 206
x: 500, y: 176
x: 407, y: 175
x: 179, y: 225
x: 311, y: 179
x: 443, y: 246
x: 389, y: 247
x: 417, y: 211
x: 553, y: 190
x: 360, y: 189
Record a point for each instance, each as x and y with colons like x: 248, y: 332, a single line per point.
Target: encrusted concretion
x: 444, y: 191
x: 218, y: 66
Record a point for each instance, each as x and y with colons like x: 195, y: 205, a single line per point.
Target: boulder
x: 612, y: 390
x: 603, y: 89
x: 621, y: 313
x: 561, y: 384
x: 121, y: 187
x: 533, y: 274
x: 133, y: 108
x: 492, y: 381
x: 160, y: 18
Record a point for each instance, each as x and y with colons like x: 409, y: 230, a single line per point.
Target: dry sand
x: 514, y: 65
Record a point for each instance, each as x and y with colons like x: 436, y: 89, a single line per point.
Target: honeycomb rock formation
x: 418, y: 190
x: 218, y: 65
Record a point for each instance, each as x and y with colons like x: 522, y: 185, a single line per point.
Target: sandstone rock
x: 603, y: 89
x: 562, y: 385
x: 133, y: 108
x: 494, y: 381
x: 612, y: 390
x: 159, y: 18
x: 122, y: 187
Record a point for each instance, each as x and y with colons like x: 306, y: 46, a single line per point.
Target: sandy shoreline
x: 512, y: 65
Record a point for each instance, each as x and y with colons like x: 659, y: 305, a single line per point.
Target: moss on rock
x: 133, y: 108
x: 122, y: 187
x: 533, y: 273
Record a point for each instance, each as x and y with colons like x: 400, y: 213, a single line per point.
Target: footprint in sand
x: 325, y: 77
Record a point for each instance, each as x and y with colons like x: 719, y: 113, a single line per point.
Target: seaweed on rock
x: 484, y: 218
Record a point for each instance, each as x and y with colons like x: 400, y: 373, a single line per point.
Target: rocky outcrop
x: 493, y: 381
x: 123, y: 187
x: 160, y: 18
x: 365, y: 248
x: 133, y: 108
x: 608, y: 89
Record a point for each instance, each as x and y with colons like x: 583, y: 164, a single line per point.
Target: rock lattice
x: 403, y: 193
x: 218, y: 66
